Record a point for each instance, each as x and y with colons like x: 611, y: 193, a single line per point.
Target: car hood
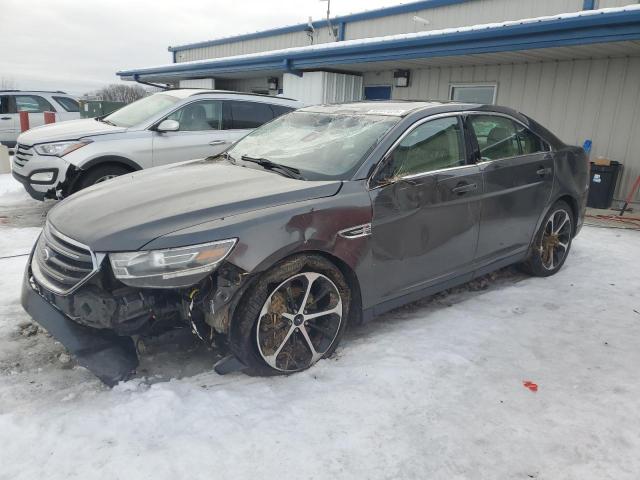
x: 130, y: 211
x: 71, y: 130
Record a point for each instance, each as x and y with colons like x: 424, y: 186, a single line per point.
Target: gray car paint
x: 273, y: 216
x: 424, y: 238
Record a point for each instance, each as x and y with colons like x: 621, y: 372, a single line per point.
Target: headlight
x: 170, y: 268
x: 60, y: 149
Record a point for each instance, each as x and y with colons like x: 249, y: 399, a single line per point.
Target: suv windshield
x: 141, y: 110
x: 321, y: 146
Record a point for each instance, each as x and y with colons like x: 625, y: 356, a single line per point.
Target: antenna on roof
x: 332, y: 32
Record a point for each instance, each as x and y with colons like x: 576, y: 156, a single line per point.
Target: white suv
x: 56, y: 160
x: 12, y: 102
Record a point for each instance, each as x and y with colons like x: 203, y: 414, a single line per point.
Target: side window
x: 33, y: 104
x: 432, y: 146
x: 280, y: 110
x: 199, y: 116
x: 497, y: 136
x: 530, y: 142
x: 249, y: 114
x: 69, y: 104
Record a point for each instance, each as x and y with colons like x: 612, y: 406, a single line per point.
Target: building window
x: 484, y: 93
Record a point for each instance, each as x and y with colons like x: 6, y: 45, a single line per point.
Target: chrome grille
x: 60, y: 264
x: 22, y: 155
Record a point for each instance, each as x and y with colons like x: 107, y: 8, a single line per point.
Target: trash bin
x: 602, y: 184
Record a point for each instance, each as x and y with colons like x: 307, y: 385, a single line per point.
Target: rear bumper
x: 109, y: 357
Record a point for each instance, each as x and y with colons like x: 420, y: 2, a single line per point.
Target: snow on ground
x: 11, y: 191
x: 433, y: 390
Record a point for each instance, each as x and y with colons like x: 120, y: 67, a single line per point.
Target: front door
x: 426, y: 210
x: 517, y: 170
x: 201, y: 134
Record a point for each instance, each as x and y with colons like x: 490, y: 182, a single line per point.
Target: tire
x: 552, y: 242
x: 273, y: 334
x: 101, y: 174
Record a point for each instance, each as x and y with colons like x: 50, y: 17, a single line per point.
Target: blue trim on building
x: 583, y: 30
x: 301, y: 27
x: 589, y: 5
x: 342, y: 26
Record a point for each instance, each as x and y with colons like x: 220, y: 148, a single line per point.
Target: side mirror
x: 168, y: 126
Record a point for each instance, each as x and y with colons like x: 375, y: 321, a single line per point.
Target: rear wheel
x: 552, y: 242
x: 101, y: 174
x: 292, y: 317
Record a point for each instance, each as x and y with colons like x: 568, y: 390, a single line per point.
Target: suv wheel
x: 552, y: 242
x: 293, y: 316
x: 101, y: 174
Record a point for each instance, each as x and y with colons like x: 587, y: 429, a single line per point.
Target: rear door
x: 517, y: 170
x: 426, y: 209
x: 68, y: 108
x: 243, y: 116
x: 8, y: 132
x: 35, y: 105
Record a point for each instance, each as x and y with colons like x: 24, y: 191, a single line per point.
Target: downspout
x: 286, y: 66
x: 341, y: 31
x: 589, y: 5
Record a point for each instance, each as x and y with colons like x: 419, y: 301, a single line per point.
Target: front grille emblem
x: 46, y: 254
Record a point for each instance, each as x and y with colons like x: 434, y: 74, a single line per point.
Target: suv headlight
x: 170, y: 268
x: 60, y: 149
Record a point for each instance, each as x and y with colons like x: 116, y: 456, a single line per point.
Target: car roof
x: 392, y: 108
x: 35, y: 91
x: 190, y: 92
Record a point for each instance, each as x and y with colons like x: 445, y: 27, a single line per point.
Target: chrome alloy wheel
x: 555, y: 239
x: 299, y: 322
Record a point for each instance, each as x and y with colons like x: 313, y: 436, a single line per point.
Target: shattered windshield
x: 319, y: 145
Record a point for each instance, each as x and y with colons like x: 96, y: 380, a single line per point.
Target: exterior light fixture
x: 401, y: 78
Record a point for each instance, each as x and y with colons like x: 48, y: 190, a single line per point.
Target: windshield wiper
x: 290, y: 172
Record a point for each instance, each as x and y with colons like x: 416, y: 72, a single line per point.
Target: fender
x: 110, y: 159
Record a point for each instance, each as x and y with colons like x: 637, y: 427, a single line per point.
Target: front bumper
x: 108, y: 356
x: 27, y: 164
x: 33, y: 193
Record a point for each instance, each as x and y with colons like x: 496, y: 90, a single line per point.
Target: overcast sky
x: 78, y: 45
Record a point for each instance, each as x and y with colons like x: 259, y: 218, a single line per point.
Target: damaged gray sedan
x: 324, y: 217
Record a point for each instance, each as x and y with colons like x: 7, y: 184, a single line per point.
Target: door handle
x: 213, y: 143
x: 463, y: 188
x: 542, y: 171
x: 5, y: 118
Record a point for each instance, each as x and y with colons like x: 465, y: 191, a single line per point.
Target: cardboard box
x: 603, y: 162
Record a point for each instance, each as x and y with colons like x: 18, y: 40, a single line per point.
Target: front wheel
x: 101, y: 174
x: 552, y: 243
x: 292, y: 317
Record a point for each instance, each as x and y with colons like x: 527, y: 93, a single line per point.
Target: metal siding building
x: 578, y: 74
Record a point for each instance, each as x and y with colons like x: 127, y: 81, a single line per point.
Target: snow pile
x: 11, y: 191
x: 433, y: 390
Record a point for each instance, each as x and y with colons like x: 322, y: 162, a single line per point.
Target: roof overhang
x: 574, y: 30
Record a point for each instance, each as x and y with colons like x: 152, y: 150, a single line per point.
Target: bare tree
x: 7, y: 83
x: 121, y: 93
